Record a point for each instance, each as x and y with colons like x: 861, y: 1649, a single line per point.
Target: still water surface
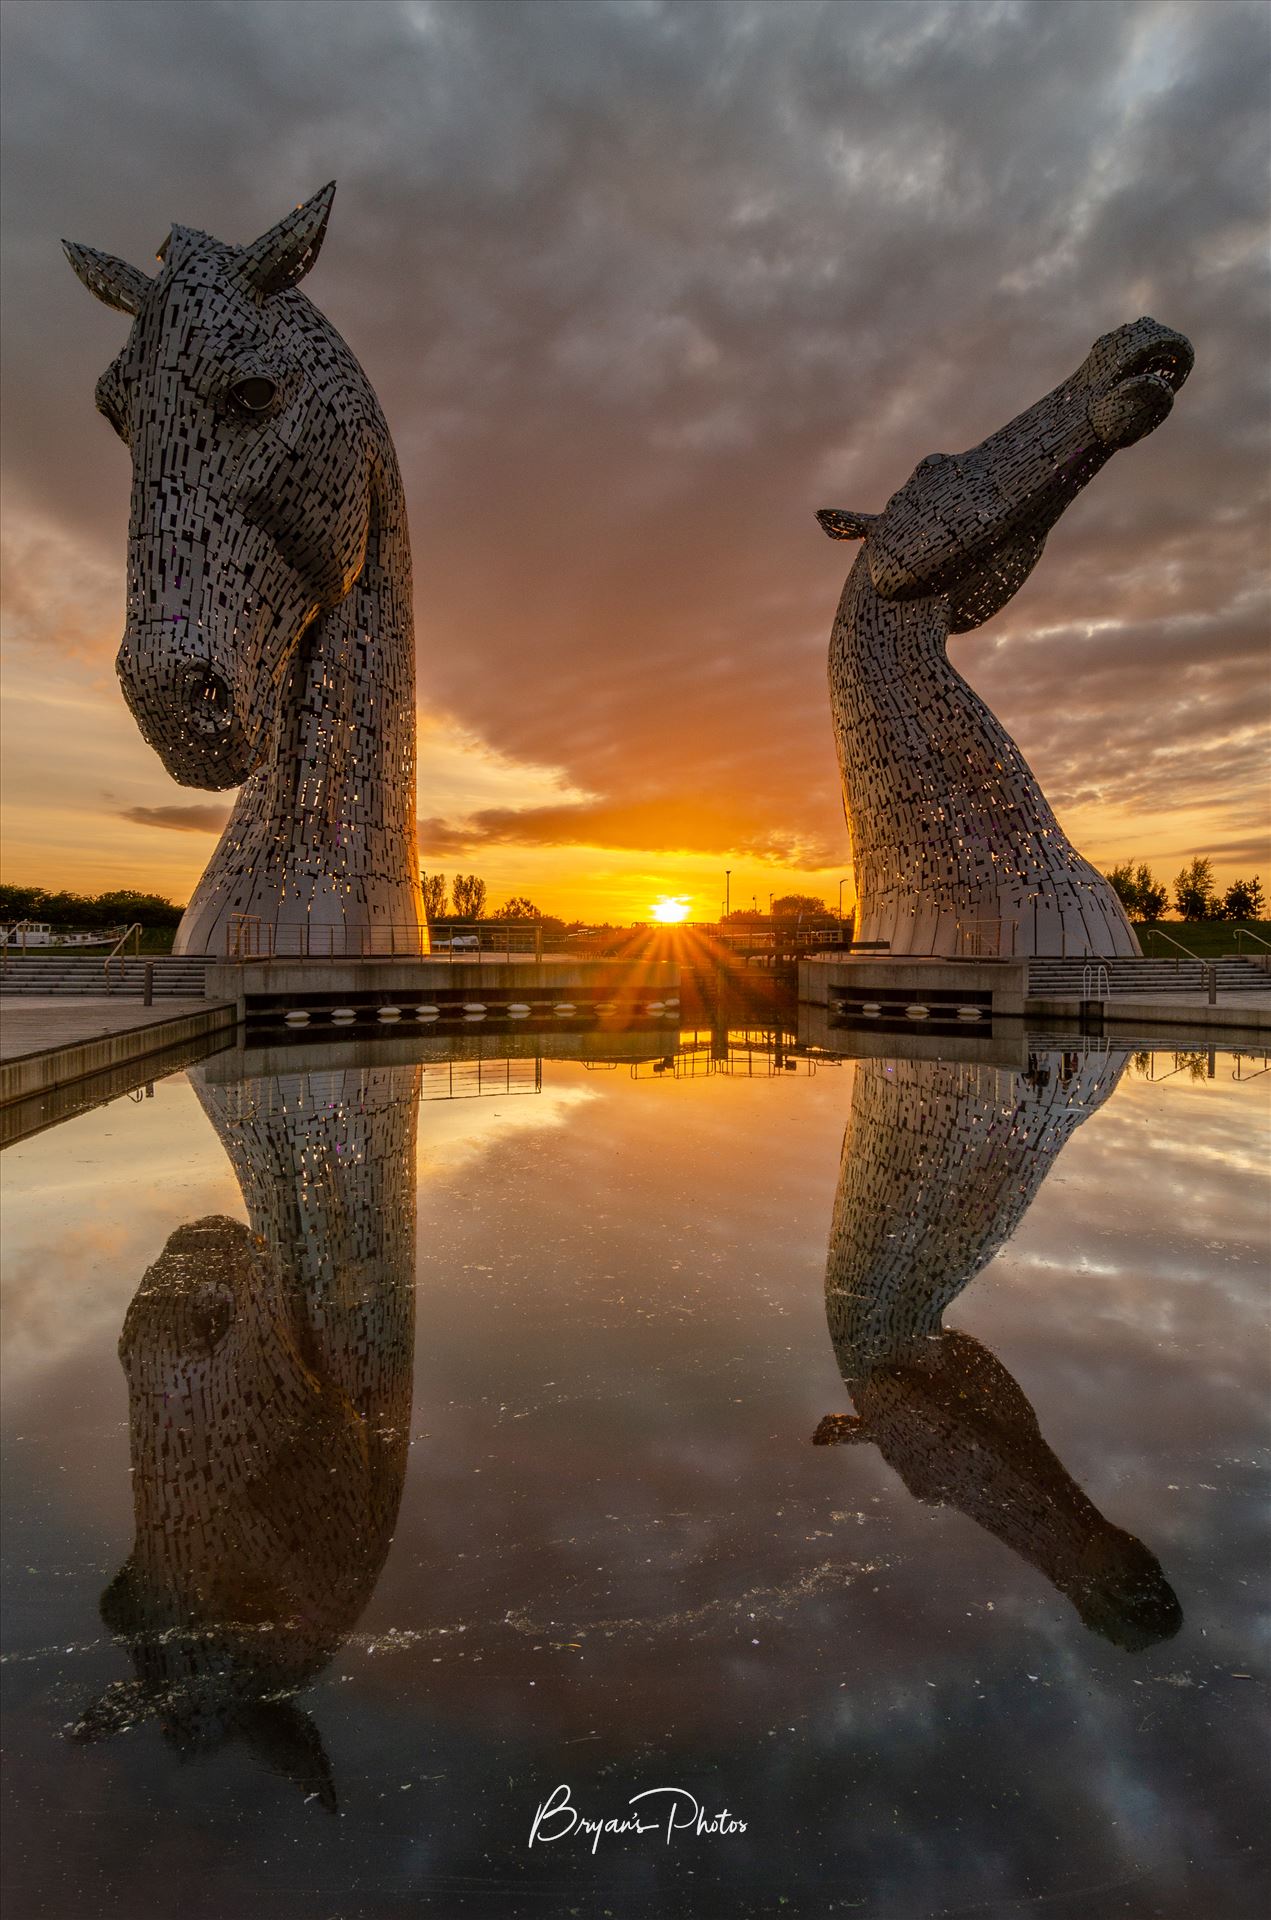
x: 869, y: 1454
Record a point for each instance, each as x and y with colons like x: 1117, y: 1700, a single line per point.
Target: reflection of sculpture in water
x: 940, y: 1164
x: 269, y: 1388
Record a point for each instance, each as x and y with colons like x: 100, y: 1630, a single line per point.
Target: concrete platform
x: 1247, y: 1014
x: 51, y: 1042
x: 263, y: 988
x: 1000, y: 987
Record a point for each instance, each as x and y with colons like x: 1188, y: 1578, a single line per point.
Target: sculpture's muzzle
x: 184, y: 700
x: 1136, y: 372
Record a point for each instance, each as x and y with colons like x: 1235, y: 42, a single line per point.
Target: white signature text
x: 665, y: 1810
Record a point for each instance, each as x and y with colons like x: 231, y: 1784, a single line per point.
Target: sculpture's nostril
x: 208, y: 700
x: 1169, y: 362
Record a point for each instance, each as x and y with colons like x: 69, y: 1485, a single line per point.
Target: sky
x: 641, y: 284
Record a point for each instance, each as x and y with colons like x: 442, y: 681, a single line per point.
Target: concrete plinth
x: 259, y: 987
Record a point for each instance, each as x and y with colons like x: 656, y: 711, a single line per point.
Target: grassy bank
x: 1207, y: 939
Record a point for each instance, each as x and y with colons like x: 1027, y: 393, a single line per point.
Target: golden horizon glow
x: 88, y: 807
x: 671, y: 910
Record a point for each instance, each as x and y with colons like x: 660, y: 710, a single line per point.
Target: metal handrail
x: 116, y: 952
x: 972, y: 940
x: 1094, y: 981
x: 19, y: 926
x: 73, y: 942
x: 249, y: 936
x: 1185, y: 951
x: 243, y: 929
x: 1244, y: 933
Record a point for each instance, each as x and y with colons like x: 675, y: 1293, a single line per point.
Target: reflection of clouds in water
x: 623, y: 1446
x: 452, y: 1134
x: 1134, y: 1306
x: 86, y: 1206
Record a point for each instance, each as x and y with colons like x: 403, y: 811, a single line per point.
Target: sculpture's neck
x: 950, y: 830
x: 321, y: 846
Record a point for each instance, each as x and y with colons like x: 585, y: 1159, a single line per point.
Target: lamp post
x: 842, y: 883
x: 728, y: 873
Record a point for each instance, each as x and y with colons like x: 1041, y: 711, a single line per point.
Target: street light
x: 842, y: 884
x: 728, y: 872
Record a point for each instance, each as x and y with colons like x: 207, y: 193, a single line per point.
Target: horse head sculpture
x: 948, y: 824
x: 940, y: 1164
x: 268, y: 641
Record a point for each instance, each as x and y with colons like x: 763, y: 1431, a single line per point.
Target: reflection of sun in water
x: 668, y: 911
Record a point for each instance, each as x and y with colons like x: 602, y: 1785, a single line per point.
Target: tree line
x: 468, y: 896
x: 88, y: 909
x: 1195, y: 897
x: 806, y: 908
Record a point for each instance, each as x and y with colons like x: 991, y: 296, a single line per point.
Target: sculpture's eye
x: 254, y: 394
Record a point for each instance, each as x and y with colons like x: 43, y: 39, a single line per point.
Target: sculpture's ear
x: 845, y: 526
x: 113, y: 281
x: 287, y: 1742
x: 283, y: 256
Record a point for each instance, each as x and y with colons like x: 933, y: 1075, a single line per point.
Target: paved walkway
x: 1235, y: 1012
x: 35, y: 1023
x: 1226, y: 997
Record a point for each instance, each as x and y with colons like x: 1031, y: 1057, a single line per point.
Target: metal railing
x: 249, y: 937
x: 784, y: 937
x: 132, y: 933
x: 13, y: 940
x: 1245, y: 933
x: 742, y: 1053
x: 1159, y: 933
x: 982, y: 939
x: 1094, y: 982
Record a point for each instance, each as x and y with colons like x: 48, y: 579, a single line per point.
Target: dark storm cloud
x: 641, y: 285
x: 194, y: 819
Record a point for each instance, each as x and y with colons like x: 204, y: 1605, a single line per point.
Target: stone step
x: 1063, y: 978
x: 179, y: 976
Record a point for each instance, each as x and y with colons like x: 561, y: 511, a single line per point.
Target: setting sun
x: 669, y: 911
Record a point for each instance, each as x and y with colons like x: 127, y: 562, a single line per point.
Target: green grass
x: 1207, y: 939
